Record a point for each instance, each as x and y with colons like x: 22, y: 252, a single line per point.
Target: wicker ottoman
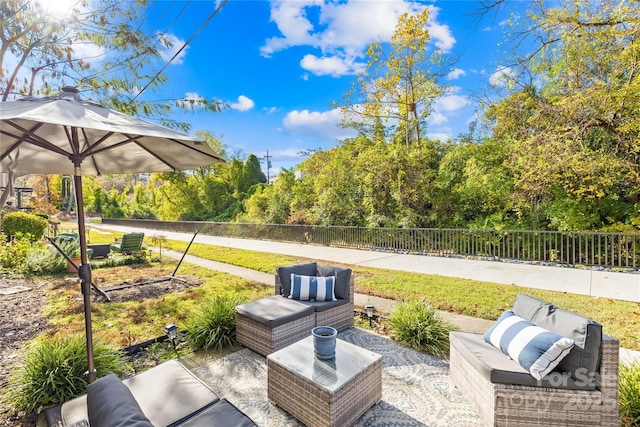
x: 272, y: 323
x: 324, y: 393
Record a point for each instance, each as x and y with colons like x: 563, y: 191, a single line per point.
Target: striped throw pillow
x: 312, y: 288
x: 534, y: 348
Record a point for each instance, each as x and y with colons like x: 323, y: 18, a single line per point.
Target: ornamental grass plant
x: 54, y: 371
x: 629, y: 398
x: 213, y: 327
x: 418, y: 324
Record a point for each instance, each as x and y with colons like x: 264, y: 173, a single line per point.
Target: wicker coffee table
x: 324, y: 392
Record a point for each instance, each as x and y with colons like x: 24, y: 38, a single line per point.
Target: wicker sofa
x: 269, y: 324
x: 581, y: 391
x: 165, y: 395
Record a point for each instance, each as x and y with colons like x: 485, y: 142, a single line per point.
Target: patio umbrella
x: 67, y: 135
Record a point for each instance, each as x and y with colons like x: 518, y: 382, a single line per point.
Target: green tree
x: 475, y: 186
x: 397, y: 91
x: 575, y: 133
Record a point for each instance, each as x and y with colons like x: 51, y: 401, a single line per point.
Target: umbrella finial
x: 70, y: 92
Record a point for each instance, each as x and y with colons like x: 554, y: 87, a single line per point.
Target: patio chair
x: 130, y: 243
x: 271, y: 323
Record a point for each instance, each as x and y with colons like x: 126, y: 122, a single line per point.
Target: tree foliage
x: 396, y: 92
x: 562, y: 149
x: 99, y: 47
x: 574, y: 136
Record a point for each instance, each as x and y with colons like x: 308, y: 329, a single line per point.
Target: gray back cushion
x: 587, y: 334
x: 343, y: 279
x: 301, y: 269
x: 111, y: 404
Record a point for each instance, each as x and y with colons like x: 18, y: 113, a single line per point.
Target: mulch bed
x: 22, y: 320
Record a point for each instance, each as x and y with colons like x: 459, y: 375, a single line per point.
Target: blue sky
x: 280, y: 65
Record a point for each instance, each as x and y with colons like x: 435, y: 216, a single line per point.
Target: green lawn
x: 486, y: 300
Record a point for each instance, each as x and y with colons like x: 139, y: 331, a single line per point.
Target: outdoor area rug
x: 416, y: 390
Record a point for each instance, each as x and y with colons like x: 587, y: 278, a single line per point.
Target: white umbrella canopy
x: 66, y: 135
x: 37, y: 136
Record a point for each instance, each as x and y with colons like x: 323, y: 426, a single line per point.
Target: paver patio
x: 416, y: 389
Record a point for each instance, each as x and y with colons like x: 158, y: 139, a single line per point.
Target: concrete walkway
x: 623, y: 286
x: 604, y: 284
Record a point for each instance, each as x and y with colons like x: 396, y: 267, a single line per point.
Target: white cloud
x: 440, y: 33
x: 456, y: 73
x: 447, y: 105
x: 437, y: 118
x: 450, y: 103
x: 333, y: 65
x: 501, y: 76
x: 342, y: 31
x: 289, y: 153
x: 317, y: 124
x: 166, y: 53
x: 440, y: 136
x: 193, y: 96
x: 192, y: 100
x: 269, y: 110
x: 243, y: 104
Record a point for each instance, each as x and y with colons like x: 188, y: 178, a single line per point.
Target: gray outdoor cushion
x: 301, y: 269
x: 221, y: 414
x: 274, y: 311
x: 169, y: 392
x: 324, y: 305
x: 111, y: 404
x: 587, y: 334
x: 343, y: 278
x: 498, y: 368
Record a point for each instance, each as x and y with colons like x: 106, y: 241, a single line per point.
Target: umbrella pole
x: 84, y: 273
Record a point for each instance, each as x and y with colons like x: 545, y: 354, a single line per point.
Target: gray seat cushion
x: 111, y: 404
x: 587, y: 334
x: 310, y: 269
x: 169, y: 392
x: 275, y: 310
x: 324, y: 305
x: 221, y: 414
x: 498, y: 368
x: 343, y: 279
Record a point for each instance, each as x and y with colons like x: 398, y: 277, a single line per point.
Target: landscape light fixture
x: 172, y: 333
x: 369, y: 310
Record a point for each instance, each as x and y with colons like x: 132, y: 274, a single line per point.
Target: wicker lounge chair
x: 505, y: 394
x: 272, y: 323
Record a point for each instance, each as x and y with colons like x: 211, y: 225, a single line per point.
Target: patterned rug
x: 416, y: 390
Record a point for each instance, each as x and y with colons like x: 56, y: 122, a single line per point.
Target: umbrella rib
x: 177, y: 141
x: 13, y: 147
x: 31, y: 138
x: 92, y: 152
x: 133, y: 139
x: 91, y: 147
x: 155, y: 155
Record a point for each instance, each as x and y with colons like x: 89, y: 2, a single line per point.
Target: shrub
x: 43, y: 260
x: 214, y: 326
x: 27, y: 224
x: 417, y: 324
x: 13, y: 254
x: 629, y: 400
x: 53, y: 371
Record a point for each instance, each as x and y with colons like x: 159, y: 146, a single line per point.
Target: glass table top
x: 330, y: 374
